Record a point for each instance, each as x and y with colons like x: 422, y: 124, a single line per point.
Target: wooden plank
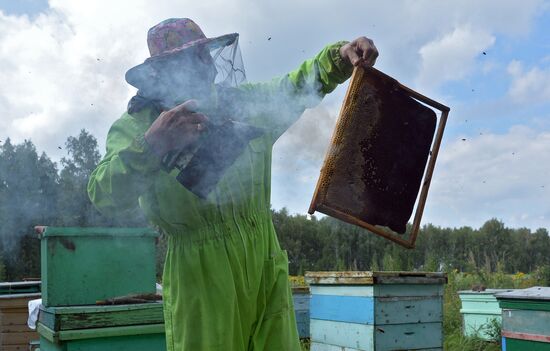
x: 16, y: 301
x: 351, y: 335
x: 90, y: 309
x: 408, y: 290
x: 339, y: 278
x: 298, y: 290
x: 409, y: 278
x: 13, y: 319
x: 510, y: 344
x: 526, y: 322
x: 301, y: 302
x: 18, y: 328
x: 526, y: 336
x: 18, y: 338
x: 483, y: 303
x: 343, y: 290
x: 524, y: 305
x: 302, y: 321
x: 317, y: 346
x: 66, y: 335
x: 402, y: 310
x: 23, y: 347
x: 538, y: 293
x: 109, y: 332
x: 354, y: 309
x: 101, y: 316
x: 408, y: 336
x: 147, y: 342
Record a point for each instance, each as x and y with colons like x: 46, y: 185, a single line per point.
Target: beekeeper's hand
x: 176, y: 128
x: 360, y: 52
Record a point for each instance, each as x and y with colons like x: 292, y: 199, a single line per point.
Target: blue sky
x: 23, y: 7
x: 54, y: 84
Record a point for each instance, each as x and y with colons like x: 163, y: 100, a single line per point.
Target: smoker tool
x: 203, y: 164
x: 376, y: 163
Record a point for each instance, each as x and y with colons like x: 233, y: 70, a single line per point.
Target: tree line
x: 34, y: 190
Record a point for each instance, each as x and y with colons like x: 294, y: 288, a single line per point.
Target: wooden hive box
x: 376, y: 311
x: 15, y: 335
x: 301, y: 298
x: 525, y: 319
x: 82, y: 265
x: 479, y: 309
x: 137, y: 327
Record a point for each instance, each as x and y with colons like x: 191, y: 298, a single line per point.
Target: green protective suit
x: 225, y: 278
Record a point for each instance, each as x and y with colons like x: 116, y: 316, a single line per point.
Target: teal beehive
x: 80, y: 266
x: 480, y: 310
x: 376, y: 311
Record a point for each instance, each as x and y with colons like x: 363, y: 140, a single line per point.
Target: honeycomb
x: 374, y: 166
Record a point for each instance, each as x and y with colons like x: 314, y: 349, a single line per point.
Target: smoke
x: 238, y: 113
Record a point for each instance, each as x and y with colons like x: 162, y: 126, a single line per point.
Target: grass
x: 454, y: 340
x: 452, y: 319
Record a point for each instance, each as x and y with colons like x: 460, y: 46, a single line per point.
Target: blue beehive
x: 301, y: 297
x: 376, y: 310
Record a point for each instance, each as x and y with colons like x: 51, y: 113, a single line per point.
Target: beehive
x: 526, y: 319
x: 301, y: 298
x: 15, y: 335
x: 479, y: 310
x: 378, y: 158
x: 138, y: 327
x: 375, y: 311
x: 82, y: 265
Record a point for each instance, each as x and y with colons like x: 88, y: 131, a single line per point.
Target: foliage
x: 297, y: 281
x: 452, y: 319
x: 542, y: 274
x: 33, y: 191
x: 494, y: 330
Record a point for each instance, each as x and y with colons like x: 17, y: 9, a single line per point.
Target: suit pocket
x: 277, y: 291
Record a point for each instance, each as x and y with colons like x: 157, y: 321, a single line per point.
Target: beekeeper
x: 225, y: 280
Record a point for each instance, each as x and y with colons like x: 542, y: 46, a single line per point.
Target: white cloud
x: 53, y: 83
x: 532, y: 85
x: 452, y: 57
x: 493, y: 175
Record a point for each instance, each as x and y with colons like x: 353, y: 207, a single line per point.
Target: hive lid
x: 45, y: 231
x: 484, y: 292
x: 534, y: 293
x: 369, y: 277
x: 381, y: 156
x: 19, y: 287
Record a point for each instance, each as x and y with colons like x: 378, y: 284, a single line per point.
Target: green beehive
x: 480, y: 310
x: 138, y: 327
x: 83, y: 265
x: 526, y: 319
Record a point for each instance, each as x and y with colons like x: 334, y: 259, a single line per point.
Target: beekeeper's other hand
x: 360, y: 52
x: 176, y: 128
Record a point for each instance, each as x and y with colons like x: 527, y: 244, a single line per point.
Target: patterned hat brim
x: 136, y: 74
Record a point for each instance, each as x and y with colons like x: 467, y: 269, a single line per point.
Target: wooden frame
x: 318, y: 202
